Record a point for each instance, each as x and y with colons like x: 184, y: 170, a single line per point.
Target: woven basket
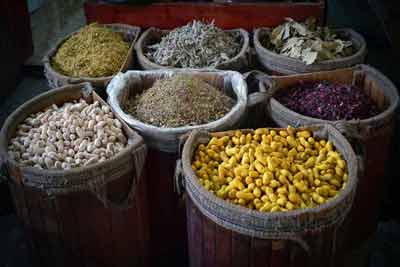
x: 305, y: 227
x: 371, y: 136
x: 93, y: 178
x: 56, y: 79
x: 285, y: 65
x: 151, y: 36
x: 131, y: 83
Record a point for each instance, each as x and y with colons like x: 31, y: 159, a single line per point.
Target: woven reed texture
x: 375, y: 83
x: 286, y: 65
x: 93, y: 178
x: 239, y: 63
x: 131, y: 83
x: 56, y: 79
x: 277, y: 225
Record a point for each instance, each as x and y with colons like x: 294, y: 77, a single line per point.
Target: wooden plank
x: 240, y: 250
x: 224, y: 245
x: 279, y: 254
x: 226, y: 16
x: 260, y: 252
x: 209, y: 243
x: 23, y: 216
x: 196, y: 224
x: 69, y: 231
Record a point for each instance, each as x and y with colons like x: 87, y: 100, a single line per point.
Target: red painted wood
x: 234, y: 249
x: 167, y: 212
x: 260, y: 252
x: 226, y: 16
x: 79, y: 231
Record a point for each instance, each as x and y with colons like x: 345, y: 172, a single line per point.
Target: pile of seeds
x: 307, y: 42
x: 270, y: 170
x: 180, y: 100
x: 95, y: 51
x: 195, y: 45
x: 73, y: 135
x: 328, y: 101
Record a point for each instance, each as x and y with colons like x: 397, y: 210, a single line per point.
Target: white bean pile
x: 73, y: 135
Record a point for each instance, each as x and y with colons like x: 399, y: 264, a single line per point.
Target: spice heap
x: 307, y: 42
x: 180, y: 100
x: 95, y: 51
x: 270, y: 170
x: 195, y: 45
x: 328, y: 101
x: 73, y: 135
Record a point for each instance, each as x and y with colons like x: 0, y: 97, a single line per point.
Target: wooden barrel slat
x: 279, y: 253
x: 209, y: 248
x: 23, y: 216
x: 143, y: 216
x: 260, y: 252
x: 167, y: 216
x: 297, y: 257
x: 52, y: 231
x: 240, y: 250
x: 69, y: 232
x: 224, y: 245
x: 196, y: 256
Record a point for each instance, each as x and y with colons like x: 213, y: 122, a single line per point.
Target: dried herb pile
x: 95, y: 51
x: 328, y: 101
x: 195, y: 45
x: 307, y: 42
x: 180, y: 100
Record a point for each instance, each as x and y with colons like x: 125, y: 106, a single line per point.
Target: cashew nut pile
x: 73, y: 135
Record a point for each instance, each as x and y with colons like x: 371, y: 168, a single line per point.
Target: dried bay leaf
x: 307, y: 42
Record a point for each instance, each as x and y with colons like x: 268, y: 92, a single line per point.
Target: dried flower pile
x: 195, y: 45
x: 180, y: 100
x: 328, y: 101
x: 307, y: 42
x: 95, y: 51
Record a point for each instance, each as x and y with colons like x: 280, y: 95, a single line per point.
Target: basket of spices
x: 92, y: 54
x: 295, y: 47
x: 360, y: 102
x: 73, y: 168
x: 163, y: 105
x: 197, y: 45
x: 261, y: 195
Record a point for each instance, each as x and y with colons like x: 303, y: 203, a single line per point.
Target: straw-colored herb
x: 95, y: 51
x: 179, y: 101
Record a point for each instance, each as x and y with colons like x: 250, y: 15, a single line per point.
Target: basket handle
x: 256, y: 93
x: 100, y: 190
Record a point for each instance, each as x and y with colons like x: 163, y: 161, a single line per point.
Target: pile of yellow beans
x: 270, y: 170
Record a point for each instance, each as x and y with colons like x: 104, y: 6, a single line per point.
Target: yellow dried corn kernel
x: 271, y: 170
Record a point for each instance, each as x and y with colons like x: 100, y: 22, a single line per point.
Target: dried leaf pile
x: 307, y: 42
x: 180, y: 100
x: 95, y: 51
x: 195, y: 45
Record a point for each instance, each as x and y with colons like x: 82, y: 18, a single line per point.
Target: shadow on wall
x: 51, y: 21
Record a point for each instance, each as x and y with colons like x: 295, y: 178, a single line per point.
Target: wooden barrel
x: 280, y: 64
x: 57, y: 79
x: 224, y: 235
x: 372, y: 136
x: 95, y: 215
x: 167, y: 213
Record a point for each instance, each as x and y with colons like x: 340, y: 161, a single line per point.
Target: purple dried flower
x: 328, y: 101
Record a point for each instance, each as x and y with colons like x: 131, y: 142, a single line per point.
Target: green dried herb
x: 195, y: 45
x: 180, y: 100
x: 307, y: 42
x: 95, y: 51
